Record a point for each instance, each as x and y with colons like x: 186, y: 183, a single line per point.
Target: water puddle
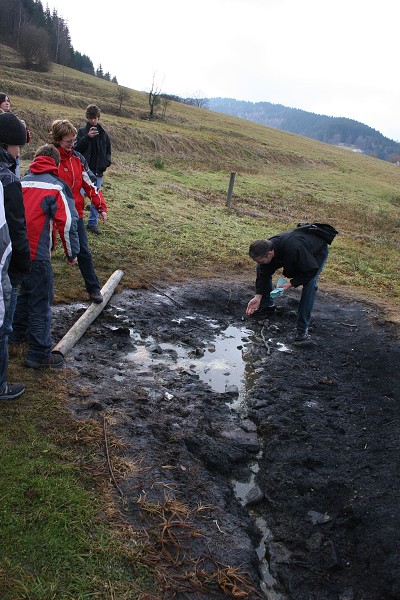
x: 224, y: 364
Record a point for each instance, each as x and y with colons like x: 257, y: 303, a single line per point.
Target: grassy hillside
x: 61, y: 534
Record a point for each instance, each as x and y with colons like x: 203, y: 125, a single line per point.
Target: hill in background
x: 338, y: 131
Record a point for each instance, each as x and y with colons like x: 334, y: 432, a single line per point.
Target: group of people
x: 49, y: 198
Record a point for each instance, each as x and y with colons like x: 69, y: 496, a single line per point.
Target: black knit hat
x: 12, y: 130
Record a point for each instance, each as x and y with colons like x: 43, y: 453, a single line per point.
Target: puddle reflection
x: 224, y: 364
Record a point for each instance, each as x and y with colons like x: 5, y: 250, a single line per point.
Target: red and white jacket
x: 49, y: 206
x: 73, y: 170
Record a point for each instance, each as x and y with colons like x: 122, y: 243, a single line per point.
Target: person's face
x: 93, y: 121
x: 67, y: 142
x: 14, y: 151
x: 6, y: 105
x: 264, y: 260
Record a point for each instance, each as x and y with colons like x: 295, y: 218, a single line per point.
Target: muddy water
x: 223, y: 364
x: 326, y: 416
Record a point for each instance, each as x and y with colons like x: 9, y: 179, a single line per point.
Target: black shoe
x: 53, y: 361
x: 12, y: 391
x: 302, y: 336
x: 93, y: 229
x: 263, y: 312
x: 96, y: 297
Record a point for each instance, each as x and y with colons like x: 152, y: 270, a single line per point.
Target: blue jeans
x: 32, y: 316
x: 85, y: 261
x: 307, y: 300
x: 6, y: 293
x: 94, y: 215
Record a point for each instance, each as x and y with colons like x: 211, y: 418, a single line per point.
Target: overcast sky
x: 333, y: 58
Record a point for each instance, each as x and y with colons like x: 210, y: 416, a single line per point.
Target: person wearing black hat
x: 5, y: 106
x: 12, y: 138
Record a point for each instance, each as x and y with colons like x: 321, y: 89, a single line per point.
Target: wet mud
x: 270, y: 465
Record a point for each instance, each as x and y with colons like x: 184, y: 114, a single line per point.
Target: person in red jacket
x: 49, y: 207
x: 74, y: 170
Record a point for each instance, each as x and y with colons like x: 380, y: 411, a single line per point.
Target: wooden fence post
x: 230, y: 189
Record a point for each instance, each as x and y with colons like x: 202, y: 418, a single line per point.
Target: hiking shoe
x: 263, y: 312
x: 55, y: 360
x: 93, y: 229
x: 302, y: 336
x: 96, y: 297
x: 12, y: 391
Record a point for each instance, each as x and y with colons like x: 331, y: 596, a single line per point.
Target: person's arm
x: 65, y: 218
x: 95, y: 195
x: 20, y: 264
x: 300, y: 265
x: 108, y: 151
x: 82, y: 140
x: 253, y: 304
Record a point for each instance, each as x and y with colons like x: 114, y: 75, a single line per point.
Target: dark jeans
x: 307, y: 299
x: 11, y: 309
x: 32, y: 316
x: 5, y: 292
x: 85, y: 261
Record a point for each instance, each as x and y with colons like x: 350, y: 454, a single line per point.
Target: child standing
x: 94, y: 143
x: 49, y: 206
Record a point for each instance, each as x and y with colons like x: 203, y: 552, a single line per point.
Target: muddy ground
x: 274, y: 468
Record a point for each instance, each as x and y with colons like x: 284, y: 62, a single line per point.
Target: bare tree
x: 198, y: 99
x: 122, y: 95
x: 154, y: 98
x: 33, y: 47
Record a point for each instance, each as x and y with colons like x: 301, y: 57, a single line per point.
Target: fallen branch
x: 268, y: 347
x: 78, y: 329
x: 110, y: 468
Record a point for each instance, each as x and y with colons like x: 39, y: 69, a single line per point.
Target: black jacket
x: 96, y: 150
x: 20, y: 263
x: 300, y: 254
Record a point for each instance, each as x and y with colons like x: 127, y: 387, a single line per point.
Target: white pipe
x: 78, y: 329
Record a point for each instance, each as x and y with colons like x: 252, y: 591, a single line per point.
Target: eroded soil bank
x: 287, y: 473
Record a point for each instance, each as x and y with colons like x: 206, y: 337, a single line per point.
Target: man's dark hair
x: 260, y: 248
x: 92, y: 111
x: 49, y: 150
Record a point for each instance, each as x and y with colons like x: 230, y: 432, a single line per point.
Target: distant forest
x: 331, y: 130
x: 41, y: 37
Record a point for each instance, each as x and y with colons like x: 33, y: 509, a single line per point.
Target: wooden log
x: 69, y: 340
